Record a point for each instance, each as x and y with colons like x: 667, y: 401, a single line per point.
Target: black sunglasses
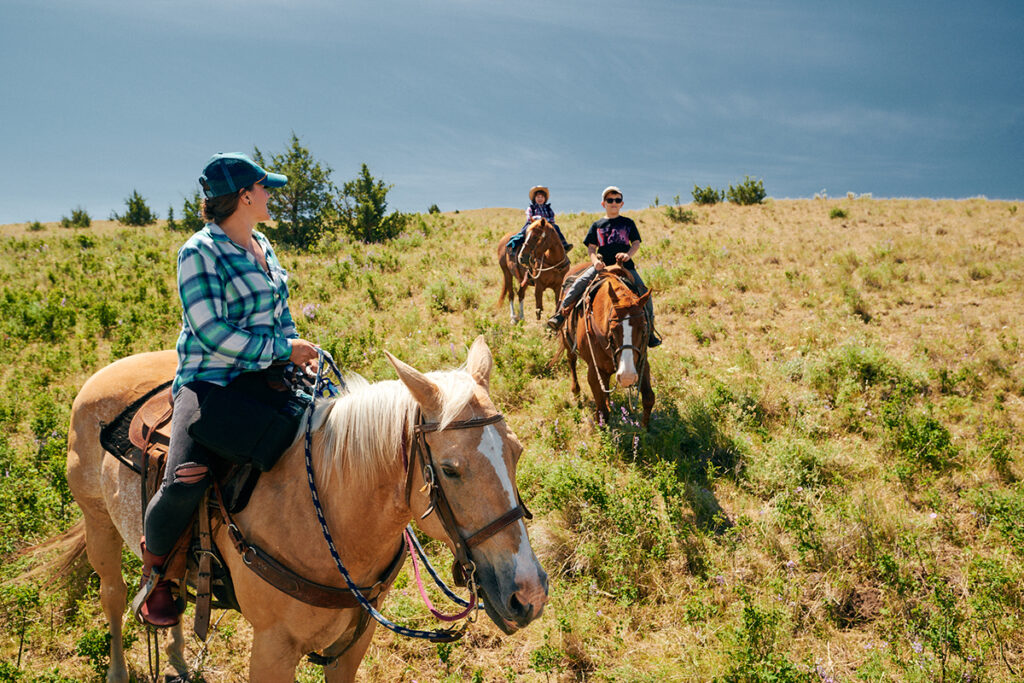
x: 613, y: 200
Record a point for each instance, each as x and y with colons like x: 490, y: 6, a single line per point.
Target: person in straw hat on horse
x: 539, y: 208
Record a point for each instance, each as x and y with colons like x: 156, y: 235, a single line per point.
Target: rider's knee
x: 190, y: 473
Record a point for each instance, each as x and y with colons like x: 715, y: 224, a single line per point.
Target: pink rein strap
x: 423, y: 592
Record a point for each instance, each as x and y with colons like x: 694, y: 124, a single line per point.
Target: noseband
x: 422, y: 455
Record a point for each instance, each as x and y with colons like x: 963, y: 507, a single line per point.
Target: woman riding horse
x: 235, y: 320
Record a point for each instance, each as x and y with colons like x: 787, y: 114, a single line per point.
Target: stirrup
x: 145, y: 590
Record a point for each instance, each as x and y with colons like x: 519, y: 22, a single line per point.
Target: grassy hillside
x: 830, y: 488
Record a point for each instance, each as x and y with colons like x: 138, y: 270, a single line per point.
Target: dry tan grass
x: 755, y: 299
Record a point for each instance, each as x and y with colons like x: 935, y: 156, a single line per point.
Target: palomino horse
x: 360, y: 450
x: 610, y: 322
x: 541, y: 262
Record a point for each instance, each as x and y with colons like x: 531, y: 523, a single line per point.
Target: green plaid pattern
x: 235, y: 316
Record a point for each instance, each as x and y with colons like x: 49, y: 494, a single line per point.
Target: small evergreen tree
x: 171, y: 223
x: 748, y: 192
x: 79, y: 219
x: 138, y: 212
x: 304, y: 209
x: 192, y: 213
x: 707, y: 195
x: 364, y: 207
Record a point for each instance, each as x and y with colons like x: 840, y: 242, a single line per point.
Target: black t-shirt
x: 613, y: 236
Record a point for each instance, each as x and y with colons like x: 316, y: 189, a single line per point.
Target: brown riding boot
x: 555, y: 322
x: 160, y: 608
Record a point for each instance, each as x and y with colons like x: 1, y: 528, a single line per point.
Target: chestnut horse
x: 541, y: 262
x: 360, y: 442
x: 609, y: 331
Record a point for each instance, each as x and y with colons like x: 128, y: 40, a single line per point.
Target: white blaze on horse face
x: 491, y: 447
x: 626, y: 373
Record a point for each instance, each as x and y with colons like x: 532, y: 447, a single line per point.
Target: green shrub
x: 171, y: 223
x: 79, y: 219
x: 138, y: 212
x: 917, y: 435
x: 619, y: 539
x: 678, y: 214
x: 364, y: 209
x: 192, y: 218
x: 35, y: 226
x: 838, y: 213
x: 755, y: 654
x: 434, y: 208
x: 748, y: 192
x: 303, y: 210
x: 1004, y: 509
x: 707, y: 195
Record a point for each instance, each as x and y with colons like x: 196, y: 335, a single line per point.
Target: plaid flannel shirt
x: 235, y: 317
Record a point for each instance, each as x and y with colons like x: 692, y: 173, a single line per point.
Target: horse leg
x: 571, y: 356
x: 103, y: 548
x: 175, y: 650
x: 344, y: 669
x: 647, y: 394
x: 521, y: 294
x: 508, y: 289
x: 598, y: 380
x: 274, y: 657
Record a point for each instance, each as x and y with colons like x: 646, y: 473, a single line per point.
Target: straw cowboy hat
x: 539, y: 188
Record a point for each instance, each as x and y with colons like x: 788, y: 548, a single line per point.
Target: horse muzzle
x: 512, y: 604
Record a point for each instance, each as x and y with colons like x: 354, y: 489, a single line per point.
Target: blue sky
x: 467, y: 103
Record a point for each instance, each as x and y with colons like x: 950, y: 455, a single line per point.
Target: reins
x: 591, y: 332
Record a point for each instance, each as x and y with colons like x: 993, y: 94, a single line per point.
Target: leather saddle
x: 146, y: 426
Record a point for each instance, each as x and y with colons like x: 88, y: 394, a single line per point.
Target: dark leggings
x: 186, y: 477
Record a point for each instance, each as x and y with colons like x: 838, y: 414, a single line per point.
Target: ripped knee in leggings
x: 190, y: 473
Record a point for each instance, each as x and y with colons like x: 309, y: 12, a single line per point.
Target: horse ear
x: 425, y: 392
x: 480, y: 362
x: 645, y: 296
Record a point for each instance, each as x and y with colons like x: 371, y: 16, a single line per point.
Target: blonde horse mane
x: 364, y: 431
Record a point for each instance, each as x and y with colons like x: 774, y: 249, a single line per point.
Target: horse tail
x: 69, y: 546
x: 559, y: 352
x: 506, y: 286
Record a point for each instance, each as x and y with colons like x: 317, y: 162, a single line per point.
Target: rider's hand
x: 621, y: 257
x: 598, y: 264
x: 304, y: 354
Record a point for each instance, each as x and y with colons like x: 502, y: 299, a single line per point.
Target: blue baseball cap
x: 227, y: 173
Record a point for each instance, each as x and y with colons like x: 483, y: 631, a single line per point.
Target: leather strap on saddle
x: 291, y: 583
x: 150, y: 429
x: 204, y: 575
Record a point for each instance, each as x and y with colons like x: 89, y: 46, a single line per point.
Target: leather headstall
x: 422, y: 454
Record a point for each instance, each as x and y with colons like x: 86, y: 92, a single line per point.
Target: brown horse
x: 541, y: 262
x: 609, y: 331
x: 361, y: 443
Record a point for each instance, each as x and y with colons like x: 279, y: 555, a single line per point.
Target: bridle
x: 438, y: 501
x: 421, y: 454
x: 534, y: 261
x: 610, y: 347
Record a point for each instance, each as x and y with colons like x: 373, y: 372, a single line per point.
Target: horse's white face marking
x: 491, y: 447
x: 626, y: 373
